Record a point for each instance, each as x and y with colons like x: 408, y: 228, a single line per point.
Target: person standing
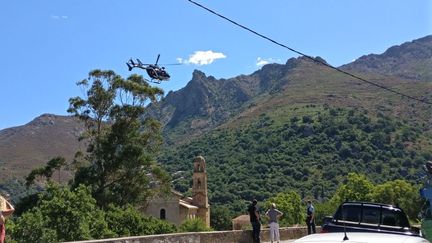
x: 255, y: 221
x: 6, y: 210
x: 310, y: 217
x: 273, y: 214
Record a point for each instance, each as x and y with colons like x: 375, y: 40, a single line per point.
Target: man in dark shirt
x: 255, y: 221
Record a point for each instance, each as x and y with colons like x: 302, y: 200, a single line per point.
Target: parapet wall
x: 235, y: 236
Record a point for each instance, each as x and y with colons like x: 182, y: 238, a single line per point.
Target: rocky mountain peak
x: 296, y: 61
x: 198, y: 75
x: 410, y: 60
x: 419, y: 49
x: 44, y: 120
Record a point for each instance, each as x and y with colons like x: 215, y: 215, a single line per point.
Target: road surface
x: 282, y: 241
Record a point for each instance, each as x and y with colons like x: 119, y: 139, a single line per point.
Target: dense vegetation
x: 356, y: 187
x: 61, y: 214
x: 111, y: 178
x: 311, y: 151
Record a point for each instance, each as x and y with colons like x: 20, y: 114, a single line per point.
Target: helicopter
x: 154, y: 71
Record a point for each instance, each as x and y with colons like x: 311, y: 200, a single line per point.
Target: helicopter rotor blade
x: 170, y: 64
x: 157, y: 60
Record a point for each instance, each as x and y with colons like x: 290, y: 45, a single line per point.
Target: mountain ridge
x: 299, y: 80
x: 416, y: 51
x: 25, y: 147
x: 207, y: 103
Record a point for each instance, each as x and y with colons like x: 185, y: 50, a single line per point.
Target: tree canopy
x: 62, y: 214
x: 121, y: 145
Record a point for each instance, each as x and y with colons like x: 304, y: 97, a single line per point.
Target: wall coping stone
x: 232, y: 236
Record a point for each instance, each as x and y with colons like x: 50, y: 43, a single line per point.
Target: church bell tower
x: 199, y: 190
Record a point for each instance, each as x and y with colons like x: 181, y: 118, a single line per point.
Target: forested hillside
x: 308, y: 149
x: 206, y: 102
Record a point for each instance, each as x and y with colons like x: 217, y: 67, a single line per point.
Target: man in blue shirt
x: 310, y: 217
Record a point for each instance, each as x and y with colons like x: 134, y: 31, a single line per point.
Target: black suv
x: 369, y: 217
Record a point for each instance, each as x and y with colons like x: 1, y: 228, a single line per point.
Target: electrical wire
x: 313, y: 59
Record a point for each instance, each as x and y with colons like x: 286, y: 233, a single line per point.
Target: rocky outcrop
x: 410, y: 60
x: 207, y: 102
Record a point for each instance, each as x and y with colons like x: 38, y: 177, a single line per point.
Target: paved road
x: 282, y: 241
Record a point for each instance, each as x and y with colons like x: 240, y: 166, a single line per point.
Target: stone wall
x: 235, y: 236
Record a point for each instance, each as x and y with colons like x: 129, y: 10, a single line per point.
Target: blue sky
x: 47, y: 46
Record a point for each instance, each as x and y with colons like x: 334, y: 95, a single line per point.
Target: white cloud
x: 202, y: 58
x: 59, y: 17
x: 263, y: 61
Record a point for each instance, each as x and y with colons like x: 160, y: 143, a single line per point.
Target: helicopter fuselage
x: 154, y: 71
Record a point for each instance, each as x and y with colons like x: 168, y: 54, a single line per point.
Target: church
x: 176, y: 207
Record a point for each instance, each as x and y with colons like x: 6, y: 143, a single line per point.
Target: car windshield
x: 372, y: 214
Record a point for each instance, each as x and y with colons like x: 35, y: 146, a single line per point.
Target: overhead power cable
x: 313, y: 59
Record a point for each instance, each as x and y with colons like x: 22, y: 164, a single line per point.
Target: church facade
x: 176, y: 207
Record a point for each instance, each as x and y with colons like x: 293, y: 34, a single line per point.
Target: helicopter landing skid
x: 152, y: 81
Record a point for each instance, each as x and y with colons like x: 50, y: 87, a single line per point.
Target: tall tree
x: 46, y: 171
x: 401, y: 193
x: 356, y: 188
x: 220, y: 218
x: 119, y: 163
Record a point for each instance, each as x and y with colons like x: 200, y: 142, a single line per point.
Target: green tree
x: 324, y: 209
x: 46, y: 171
x: 61, y: 215
x: 121, y: 150
x: 401, y: 193
x: 194, y: 225
x: 356, y: 188
x: 128, y: 221
x: 289, y: 203
x: 220, y: 218
x: 29, y: 228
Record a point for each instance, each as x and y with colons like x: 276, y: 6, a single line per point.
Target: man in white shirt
x: 273, y: 214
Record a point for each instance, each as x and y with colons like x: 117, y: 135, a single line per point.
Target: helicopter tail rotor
x: 139, y: 62
x: 129, y: 66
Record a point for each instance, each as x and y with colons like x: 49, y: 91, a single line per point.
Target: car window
x: 371, y: 215
x: 349, y: 213
x: 391, y: 217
